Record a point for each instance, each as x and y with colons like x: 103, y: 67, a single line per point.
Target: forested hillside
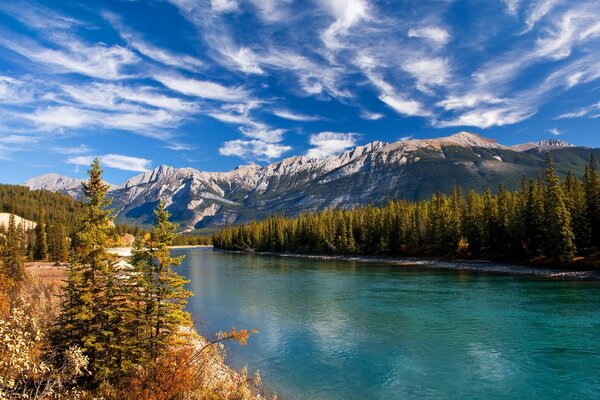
x: 548, y: 218
x: 26, y: 203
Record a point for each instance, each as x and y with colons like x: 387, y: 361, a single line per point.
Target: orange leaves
x: 240, y: 336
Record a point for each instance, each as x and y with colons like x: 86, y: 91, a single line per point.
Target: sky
x: 213, y: 84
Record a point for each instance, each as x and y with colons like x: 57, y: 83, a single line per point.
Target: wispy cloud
x: 347, y: 13
x: 118, y: 161
x: 98, y: 60
x: 555, y: 132
x: 327, y: 144
x: 593, y: 110
x: 371, y: 115
x: 224, y: 5
x: 253, y: 149
x: 202, y: 89
x: 434, y: 34
x: 151, y: 51
x: 293, y: 116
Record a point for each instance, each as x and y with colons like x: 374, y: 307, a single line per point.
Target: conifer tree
x: 92, y: 311
x: 163, y: 296
x: 559, y: 239
x: 12, y: 260
x: 41, y: 243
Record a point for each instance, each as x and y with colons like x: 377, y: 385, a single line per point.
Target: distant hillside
x: 26, y: 203
x: 370, y: 174
x: 5, y: 217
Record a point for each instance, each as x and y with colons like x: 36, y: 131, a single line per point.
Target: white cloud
x: 242, y: 58
x: 555, y: 132
x: 292, y: 116
x: 371, y: 115
x: 146, y: 123
x: 428, y: 72
x: 490, y: 116
x: 388, y: 94
x: 272, y: 10
x: 404, y: 106
x: 13, y: 91
x: 163, y: 56
x: 253, y: 149
x: 347, y: 13
x: 97, y: 61
x: 512, y: 6
x: 35, y: 16
x: 263, y: 133
x: 75, y: 150
x: 469, y: 100
x: 582, y: 112
x: 434, y: 34
x: 223, y: 5
x: 330, y: 143
x: 117, y: 161
x: 539, y: 10
x: 108, y: 96
x: 202, y: 89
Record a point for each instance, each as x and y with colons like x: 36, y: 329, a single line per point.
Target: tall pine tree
x: 559, y: 240
x: 163, y: 296
x: 93, y: 309
x: 41, y: 243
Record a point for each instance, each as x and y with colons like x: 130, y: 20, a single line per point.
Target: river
x: 345, y: 330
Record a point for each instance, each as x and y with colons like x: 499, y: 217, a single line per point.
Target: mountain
x: 374, y: 173
x: 55, y: 183
x: 59, y: 184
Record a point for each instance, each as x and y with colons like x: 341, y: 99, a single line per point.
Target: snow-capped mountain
x: 373, y: 173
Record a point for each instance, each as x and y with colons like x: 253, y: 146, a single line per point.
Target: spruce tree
x: 163, y: 295
x: 41, y: 243
x: 559, y: 239
x: 92, y: 311
x: 12, y: 260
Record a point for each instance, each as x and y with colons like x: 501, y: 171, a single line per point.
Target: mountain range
x: 374, y: 173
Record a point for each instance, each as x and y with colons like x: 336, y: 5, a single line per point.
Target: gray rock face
x: 55, y: 183
x: 374, y: 173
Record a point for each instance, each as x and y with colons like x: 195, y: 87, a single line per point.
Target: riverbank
x: 455, y: 265
x: 126, y: 251
x: 45, y: 284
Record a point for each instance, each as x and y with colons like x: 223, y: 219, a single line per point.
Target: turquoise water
x: 341, y: 330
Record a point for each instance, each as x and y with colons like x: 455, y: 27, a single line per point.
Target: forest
x: 90, y: 325
x: 548, y: 220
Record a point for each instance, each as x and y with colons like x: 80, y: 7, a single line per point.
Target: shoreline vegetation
x: 486, y: 266
x: 84, y: 323
x: 549, y: 223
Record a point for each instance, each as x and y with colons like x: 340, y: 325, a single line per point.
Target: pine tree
x: 41, y: 243
x: 163, y: 295
x: 559, y: 240
x: 92, y: 311
x: 12, y: 260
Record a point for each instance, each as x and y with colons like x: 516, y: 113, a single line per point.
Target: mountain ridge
x: 371, y: 173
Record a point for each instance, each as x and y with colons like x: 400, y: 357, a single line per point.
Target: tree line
x: 546, y: 219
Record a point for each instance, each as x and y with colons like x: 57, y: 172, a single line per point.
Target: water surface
x: 343, y: 330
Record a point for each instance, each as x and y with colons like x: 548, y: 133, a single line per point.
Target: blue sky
x: 212, y: 84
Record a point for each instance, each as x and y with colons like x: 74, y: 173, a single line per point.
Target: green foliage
x: 41, y: 242
x: 160, y: 289
x: 549, y: 218
x: 95, y: 301
x: 13, y: 265
x: 19, y: 200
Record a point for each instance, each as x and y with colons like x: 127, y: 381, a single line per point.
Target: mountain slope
x: 374, y: 173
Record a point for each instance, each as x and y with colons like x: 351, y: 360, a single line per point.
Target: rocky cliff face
x: 373, y: 173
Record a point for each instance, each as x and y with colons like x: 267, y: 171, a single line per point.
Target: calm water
x: 338, y: 330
